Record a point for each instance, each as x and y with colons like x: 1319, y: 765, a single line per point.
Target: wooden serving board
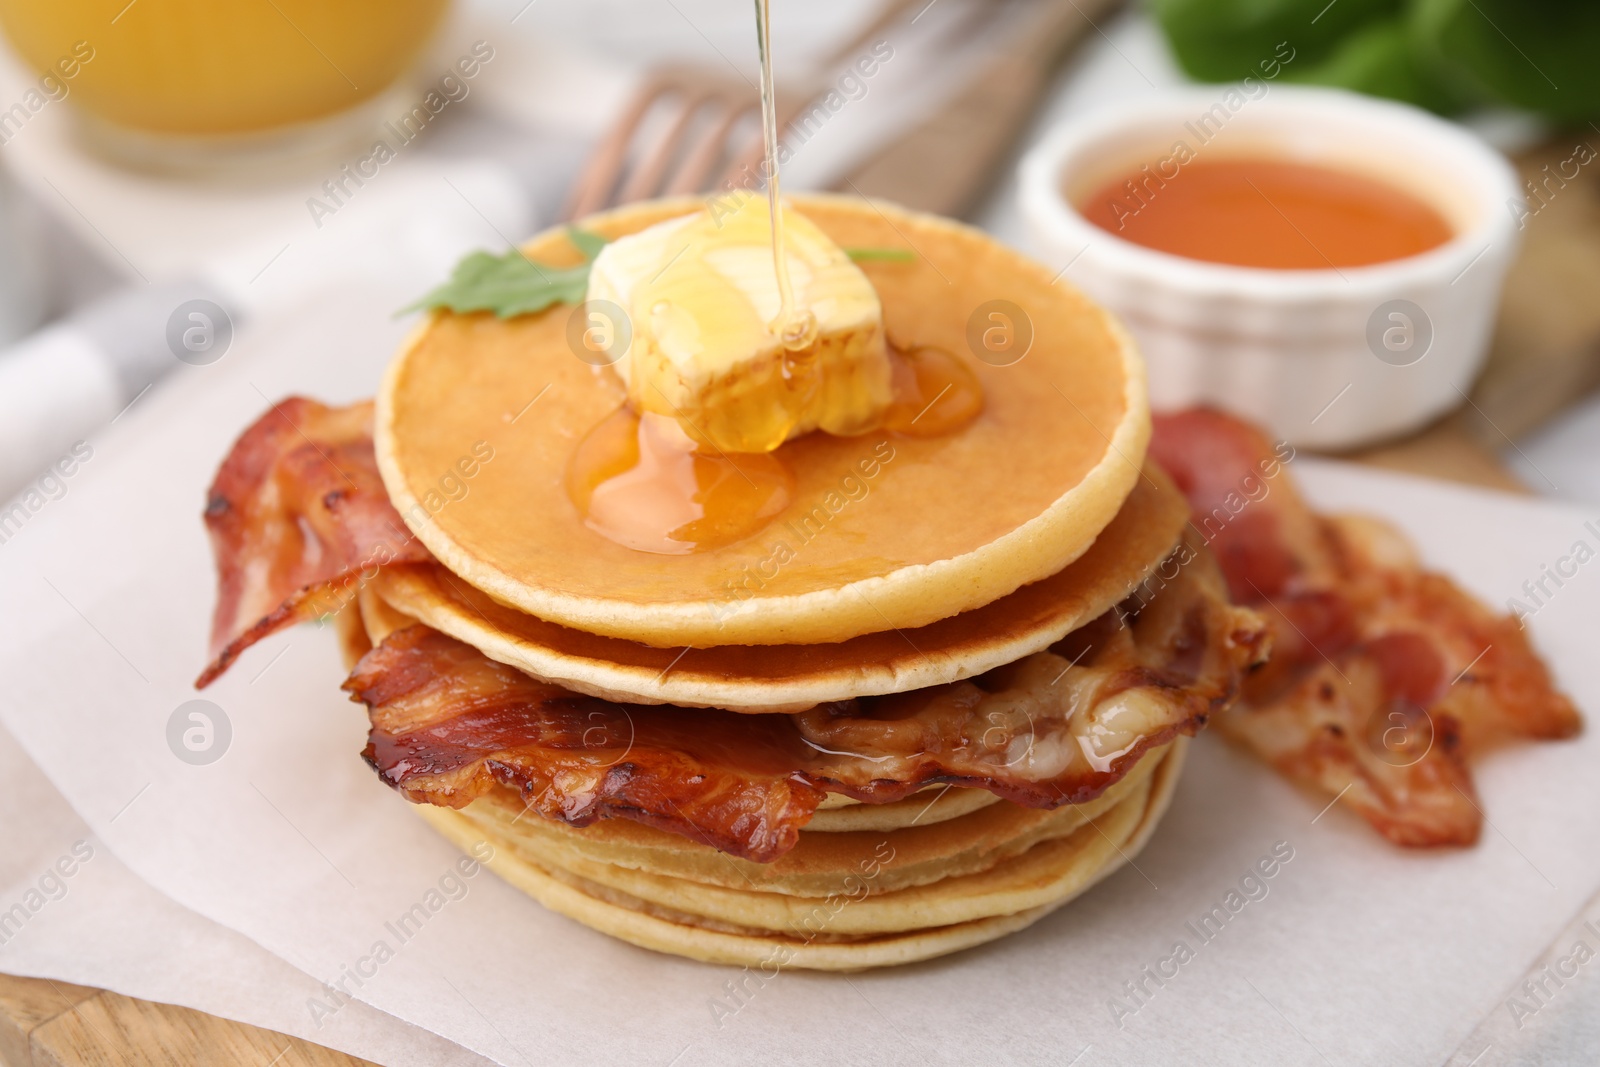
x: 1546, y: 355
x: 55, y: 1024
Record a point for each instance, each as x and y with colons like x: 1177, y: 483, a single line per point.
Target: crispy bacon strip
x: 1059, y: 726
x: 297, y: 514
x: 1383, y: 675
x: 448, y: 724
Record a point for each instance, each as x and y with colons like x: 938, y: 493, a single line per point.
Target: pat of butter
x: 701, y: 295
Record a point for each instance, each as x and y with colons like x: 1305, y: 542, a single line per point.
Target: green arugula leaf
x: 512, y: 284
x: 880, y: 255
x: 586, y: 241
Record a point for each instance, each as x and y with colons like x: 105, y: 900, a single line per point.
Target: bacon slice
x: 1384, y: 675
x: 1059, y: 726
x: 448, y: 724
x: 298, y: 518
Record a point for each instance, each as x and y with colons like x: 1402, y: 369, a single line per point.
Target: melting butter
x: 707, y: 344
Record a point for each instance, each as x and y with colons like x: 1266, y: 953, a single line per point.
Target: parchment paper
x: 91, y: 921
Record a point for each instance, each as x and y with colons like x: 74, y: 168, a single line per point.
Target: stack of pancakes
x: 905, y: 564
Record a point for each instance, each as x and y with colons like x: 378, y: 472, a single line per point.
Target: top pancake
x: 940, y: 526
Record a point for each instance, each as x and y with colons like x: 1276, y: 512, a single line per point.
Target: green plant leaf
x: 1441, y: 54
x: 1384, y: 58
x: 512, y: 284
x: 586, y: 241
x: 1535, y: 54
x: 1226, y: 40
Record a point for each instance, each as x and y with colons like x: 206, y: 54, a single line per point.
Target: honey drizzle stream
x: 795, y: 330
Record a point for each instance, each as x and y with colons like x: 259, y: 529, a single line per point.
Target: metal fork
x: 705, y: 142
x: 683, y: 158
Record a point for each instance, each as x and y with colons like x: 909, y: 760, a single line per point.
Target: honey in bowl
x: 1271, y: 213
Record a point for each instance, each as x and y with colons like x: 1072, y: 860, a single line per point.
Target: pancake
x: 932, y: 805
x: 787, y: 678
x: 377, y: 617
x: 942, y: 525
x: 979, y: 895
x: 822, y: 862
x: 867, y: 928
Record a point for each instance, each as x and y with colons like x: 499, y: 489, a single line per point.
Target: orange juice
x: 206, y: 67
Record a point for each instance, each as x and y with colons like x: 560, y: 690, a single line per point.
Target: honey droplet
x: 934, y: 393
x: 798, y: 332
x: 639, y: 481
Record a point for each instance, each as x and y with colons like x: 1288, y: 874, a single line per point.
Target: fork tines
x: 684, y: 132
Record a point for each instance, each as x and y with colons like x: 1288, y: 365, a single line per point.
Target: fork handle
x: 919, y: 170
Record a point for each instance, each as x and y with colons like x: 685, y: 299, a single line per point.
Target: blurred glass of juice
x: 184, y: 84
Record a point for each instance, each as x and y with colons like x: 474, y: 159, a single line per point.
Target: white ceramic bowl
x: 1321, y: 358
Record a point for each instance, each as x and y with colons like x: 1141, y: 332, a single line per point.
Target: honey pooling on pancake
x: 641, y: 481
x: 934, y: 393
